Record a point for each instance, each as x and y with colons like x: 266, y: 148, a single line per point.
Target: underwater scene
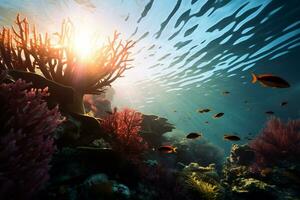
x: 149, y: 99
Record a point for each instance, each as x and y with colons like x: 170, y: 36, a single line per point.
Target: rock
x: 250, y: 188
x: 78, y: 130
x: 98, y: 186
x: 121, y: 191
x: 241, y: 155
x: 101, y: 143
x: 252, y: 185
x: 153, y: 128
x: 94, y: 179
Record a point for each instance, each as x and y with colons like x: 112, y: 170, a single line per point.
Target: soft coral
x: 124, y: 127
x: 277, y: 142
x: 26, y: 144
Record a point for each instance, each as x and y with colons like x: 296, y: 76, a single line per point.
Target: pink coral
x: 124, y: 127
x: 26, y: 144
x: 277, y: 142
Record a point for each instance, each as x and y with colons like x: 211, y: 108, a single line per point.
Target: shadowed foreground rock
x: 153, y: 128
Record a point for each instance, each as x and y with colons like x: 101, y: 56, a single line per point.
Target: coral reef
x: 124, y: 127
x: 200, y: 151
x: 204, y: 181
x: 22, y: 48
x: 241, y: 155
x: 26, y: 142
x: 159, y: 182
x: 277, y: 144
x: 241, y: 182
x: 249, y: 188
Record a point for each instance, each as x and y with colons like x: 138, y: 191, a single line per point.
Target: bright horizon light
x: 83, y: 43
x: 86, y: 40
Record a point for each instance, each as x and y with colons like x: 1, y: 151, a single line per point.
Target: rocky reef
x: 153, y: 129
x: 243, y: 182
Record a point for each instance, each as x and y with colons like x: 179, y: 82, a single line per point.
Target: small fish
x: 226, y: 93
x: 231, y: 137
x: 174, y: 110
x: 270, y: 112
x: 284, y: 103
x: 218, y: 115
x: 193, y: 135
x: 205, y: 110
x: 206, y: 122
x: 246, y: 102
x: 127, y: 17
x: 269, y: 80
x: 167, y: 149
x: 109, y: 112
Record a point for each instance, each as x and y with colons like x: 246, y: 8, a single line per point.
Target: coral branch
x: 28, y: 50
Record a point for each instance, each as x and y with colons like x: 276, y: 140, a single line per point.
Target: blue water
x: 189, y: 52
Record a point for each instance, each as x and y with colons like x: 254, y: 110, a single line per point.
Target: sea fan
x: 26, y: 145
x: 277, y: 142
x: 124, y: 128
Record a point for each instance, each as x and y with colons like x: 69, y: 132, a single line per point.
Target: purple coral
x: 26, y: 145
x: 277, y: 142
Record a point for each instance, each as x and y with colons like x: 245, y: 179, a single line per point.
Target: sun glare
x: 83, y: 44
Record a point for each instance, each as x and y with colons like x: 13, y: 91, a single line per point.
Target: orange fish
x: 167, y: 149
x: 269, y: 80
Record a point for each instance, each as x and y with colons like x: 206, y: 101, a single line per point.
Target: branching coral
x: 26, y: 144
x: 124, y: 127
x: 24, y: 49
x: 277, y: 142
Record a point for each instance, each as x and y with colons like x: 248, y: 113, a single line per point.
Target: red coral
x: 277, y: 142
x: 124, y: 127
x: 26, y: 145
